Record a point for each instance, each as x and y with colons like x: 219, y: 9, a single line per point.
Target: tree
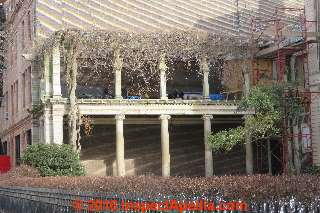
x: 275, y: 108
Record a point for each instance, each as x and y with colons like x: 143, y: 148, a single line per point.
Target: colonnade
x: 53, y: 116
x: 165, y: 145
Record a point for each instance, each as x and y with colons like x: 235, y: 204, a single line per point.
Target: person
x: 181, y: 94
x: 173, y: 95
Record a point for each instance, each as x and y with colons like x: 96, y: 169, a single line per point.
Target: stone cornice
x: 152, y: 107
x: 145, y: 101
x: 16, y: 126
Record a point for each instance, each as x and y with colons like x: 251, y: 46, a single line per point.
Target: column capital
x: 207, y: 117
x: 164, y: 117
x: 120, y: 117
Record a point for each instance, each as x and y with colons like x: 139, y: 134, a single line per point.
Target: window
x: 13, y: 4
x: 5, y: 148
x: 6, y: 106
x: 22, y: 35
x: 29, y: 87
x: 24, y: 89
x: 11, y: 99
x: 17, y: 96
x: 7, y: 101
x: 16, y: 49
x: 1, y: 148
x: 29, y: 137
x: 29, y: 25
x: 17, y: 143
x: 11, y: 55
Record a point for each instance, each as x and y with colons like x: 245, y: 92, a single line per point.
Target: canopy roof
x: 229, y: 16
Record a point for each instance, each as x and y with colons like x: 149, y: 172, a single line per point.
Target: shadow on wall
x: 143, y: 149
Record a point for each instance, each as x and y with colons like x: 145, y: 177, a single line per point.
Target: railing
x: 37, y: 200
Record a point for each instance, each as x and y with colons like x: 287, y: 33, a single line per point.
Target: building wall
x: 14, y: 118
x: 143, y: 148
x: 312, y: 14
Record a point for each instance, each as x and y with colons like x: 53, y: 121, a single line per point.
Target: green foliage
x: 232, y: 136
x: 263, y: 125
x: 270, y: 104
x: 36, y: 111
x: 264, y: 99
x: 53, y: 160
x: 293, y: 106
x: 312, y: 170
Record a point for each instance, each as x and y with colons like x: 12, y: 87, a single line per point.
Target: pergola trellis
x: 144, y: 58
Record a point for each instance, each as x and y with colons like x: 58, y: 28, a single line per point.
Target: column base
x: 56, y: 96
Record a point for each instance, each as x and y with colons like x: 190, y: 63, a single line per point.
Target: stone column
x: 120, y: 145
x: 35, y: 81
x: 56, y: 68
x: 46, y: 80
x: 296, y: 144
x: 249, y: 154
x: 47, y: 126
x: 269, y: 157
x: 35, y: 97
x: 117, y: 67
x: 163, y: 78
x: 293, y: 67
x: 165, y: 145
x: 208, y: 150
x: 57, y: 123
x: 35, y: 131
x: 248, y: 141
x: 204, y: 66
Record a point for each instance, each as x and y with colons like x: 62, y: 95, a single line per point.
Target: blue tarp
x: 216, y: 97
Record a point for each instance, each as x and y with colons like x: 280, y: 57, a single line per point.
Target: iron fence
x: 38, y: 200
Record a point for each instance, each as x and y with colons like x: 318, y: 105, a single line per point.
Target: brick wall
x: 14, y: 118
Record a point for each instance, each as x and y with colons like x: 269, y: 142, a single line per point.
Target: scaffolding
x: 283, y: 38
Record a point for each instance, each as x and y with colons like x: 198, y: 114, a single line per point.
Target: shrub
x: 257, y: 188
x: 21, y: 171
x: 312, y: 170
x: 53, y: 160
